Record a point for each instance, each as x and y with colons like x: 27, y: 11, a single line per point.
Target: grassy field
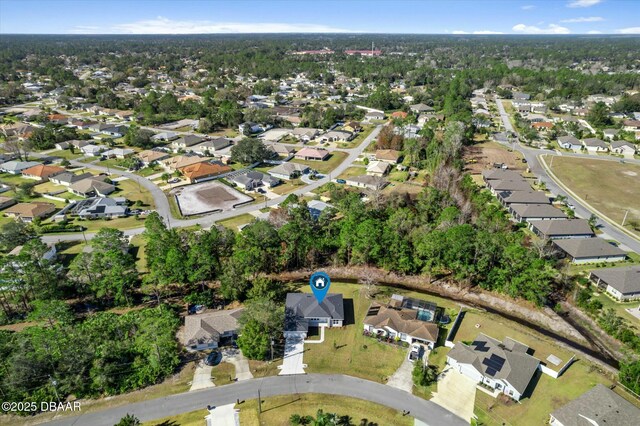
x: 616, y: 191
x: 325, y: 167
x: 233, y: 222
x: 9, y: 179
x: 352, y: 171
x: 132, y: 191
x: 193, y: 418
x: 119, y: 223
x: 288, y: 186
x: 366, y: 131
x: 277, y: 410
x: 346, y: 351
x: 549, y: 394
x: 148, y: 171
x: 65, y: 153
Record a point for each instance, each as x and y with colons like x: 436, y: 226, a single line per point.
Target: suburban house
x: 302, y: 311
x: 595, y: 145
x: 288, y: 171
x: 353, y: 127
x: 419, y: 108
x: 621, y: 283
x: 504, y: 366
x: 180, y: 161
x: 368, y: 182
x: 101, y: 208
x: 186, y: 141
x: 305, y: 134
x: 206, y: 330
x: 527, y: 212
x: 6, y: 202
x: 590, y: 250
x: 165, y: 136
x: 203, y: 171
x: 500, y: 174
x: 631, y: 125
x: 210, y: 146
x: 26, y: 212
x: 336, y: 136
x: 252, y: 179
x: 388, y: 155
x: 378, y: 168
x: 281, y: 149
x: 623, y: 147
x: 16, y: 167
x: 42, y: 172
x: 79, y: 143
x: 91, y: 187
x: 507, y: 198
x: 374, y: 115
x: 68, y: 178
x: 118, y: 153
x: 317, y: 154
x: 251, y: 128
x: 610, y: 133
x: 93, y: 150
x: 399, y: 115
x: 49, y: 255
x: 561, y: 229
x: 519, y: 96
x: 62, y: 145
x: 151, y: 156
x: 409, y: 320
x: 599, y: 406
x: 316, y: 207
x: 569, y: 142
x: 519, y: 184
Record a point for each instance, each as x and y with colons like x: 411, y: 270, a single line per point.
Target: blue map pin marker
x: 320, y: 283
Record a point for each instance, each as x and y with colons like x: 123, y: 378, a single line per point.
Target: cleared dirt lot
x: 208, y: 197
x: 482, y: 156
x: 610, y: 187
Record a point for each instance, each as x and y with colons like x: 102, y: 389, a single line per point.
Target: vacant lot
x: 482, y: 156
x: 234, y: 222
x: 353, y: 171
x: 610, y: 187
x: 326, y: 166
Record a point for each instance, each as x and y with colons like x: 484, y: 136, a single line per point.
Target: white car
x: 415, y: 353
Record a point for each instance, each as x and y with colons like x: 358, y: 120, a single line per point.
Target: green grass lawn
x: 619, y: 307
x: 13, y: 180
x: 233, y: 222
x: 617, y: 190
x: 352, y: 171
x: 263, y: 368
x: 325, y: 167
x: 548, y: 395
x: 193, y: 418
x: 139, y: 243
x: 67, y: 154
x: 223, y: 374
x: 355, y: 142
x: 134, y: 192
x: 119, y: 223
x: 148, y: 171
x: 347, y: 351
x: 288, y: 186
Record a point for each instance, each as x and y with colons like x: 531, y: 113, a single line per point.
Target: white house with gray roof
x: 527, y: 212
x: 595, y: 145
x: 621, y: 283
x: 590, y: 250
x: 288, y: 171
x: 561, y: 229
x: 302, y: 311
x: 503, y: 366
x: 206, y: 330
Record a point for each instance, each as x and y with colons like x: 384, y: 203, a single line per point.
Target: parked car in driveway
x: 213, y: 358
x: 415, y: 352
x: 341, y: 181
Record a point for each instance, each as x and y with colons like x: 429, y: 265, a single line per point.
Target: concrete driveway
x: 224, y: 415
x: 402, y: 379
x: 201, y: 377
x: 235, y: 357
x: 456, y: 393
x: 292, y: 360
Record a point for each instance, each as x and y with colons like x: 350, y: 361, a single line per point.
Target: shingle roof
x: 537, y: 210
x: 509, y: 185
x: 562, y: 227
x: 402, y: 321
x: 588, y: 247
x: 30, y: 210
x: 207, y: 327
x: 500, y: 174
x: 595, y: 142
x: 299, y: 306
x: 524, y: 197
x: 387, y: 154
x: 517, y: 367
x: 288, y: 168
x: 626, y: 279
x: 600, y: 406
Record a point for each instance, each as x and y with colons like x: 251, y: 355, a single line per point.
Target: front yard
x: 324, y: 167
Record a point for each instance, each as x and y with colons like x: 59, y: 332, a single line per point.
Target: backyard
x: 616, y: 193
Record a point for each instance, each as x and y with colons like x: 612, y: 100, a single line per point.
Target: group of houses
x: 595, y: 145
x: 573, y: 237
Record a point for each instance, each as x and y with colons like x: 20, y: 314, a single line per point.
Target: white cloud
x: 528, y: 7
x: 532, y: 29
x: 631, y: 30
x: 594, y: 32
x: 479, y: 32
x: 583, y: 3
x: 583, y: 19
x: 162, y: 25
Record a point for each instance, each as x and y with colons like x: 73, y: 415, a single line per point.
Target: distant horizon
x: 428, y: 17
x: 326, y: 34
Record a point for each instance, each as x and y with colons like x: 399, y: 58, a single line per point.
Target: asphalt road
x: 531, y: 154
x: 162, y: 203
x: 426, y: 411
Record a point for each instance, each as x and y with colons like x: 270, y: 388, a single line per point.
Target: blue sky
x: 273, y: 16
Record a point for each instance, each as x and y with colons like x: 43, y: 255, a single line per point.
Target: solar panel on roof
x: 494, y: 362
x: 480, y: 346
x: 491, y: 372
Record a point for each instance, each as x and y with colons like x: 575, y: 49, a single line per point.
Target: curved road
x: 531, y: 154
x: 426, y: 411
x: 162, y: 203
